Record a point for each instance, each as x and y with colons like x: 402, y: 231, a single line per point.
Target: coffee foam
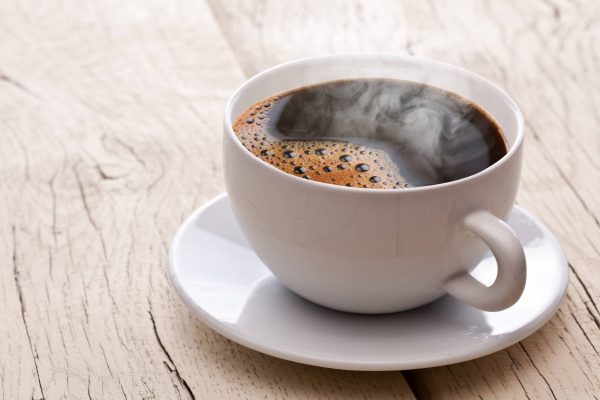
x: 329, y: 161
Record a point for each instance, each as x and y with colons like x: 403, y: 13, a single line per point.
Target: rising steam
x: 433, y: 136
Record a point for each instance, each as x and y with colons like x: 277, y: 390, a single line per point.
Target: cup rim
x: 392, y: 57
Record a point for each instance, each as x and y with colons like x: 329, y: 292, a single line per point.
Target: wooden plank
x: 110, y: 119
x: 546, y: 54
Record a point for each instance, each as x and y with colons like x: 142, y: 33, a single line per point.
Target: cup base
x: 371, y: 309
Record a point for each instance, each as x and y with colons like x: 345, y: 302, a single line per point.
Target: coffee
x: 372, y: 133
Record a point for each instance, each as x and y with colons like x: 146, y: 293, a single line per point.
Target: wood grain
x: 546, y: 54
x: 110, y: 119
x: 110, y: 125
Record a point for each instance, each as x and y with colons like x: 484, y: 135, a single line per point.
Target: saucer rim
x: 226, y: 329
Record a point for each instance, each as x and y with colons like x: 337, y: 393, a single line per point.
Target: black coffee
x: 372, y: 133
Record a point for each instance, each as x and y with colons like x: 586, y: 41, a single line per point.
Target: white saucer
x: 224, y: 283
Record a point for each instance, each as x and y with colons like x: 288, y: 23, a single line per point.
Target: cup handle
x: 510, y: 258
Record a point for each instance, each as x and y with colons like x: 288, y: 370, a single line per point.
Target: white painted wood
x: 110, y: 127
x: 110, y: 118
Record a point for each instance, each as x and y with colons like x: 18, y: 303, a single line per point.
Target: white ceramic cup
x: 380, y: 250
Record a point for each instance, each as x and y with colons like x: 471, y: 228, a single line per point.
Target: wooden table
x: 110, y: 124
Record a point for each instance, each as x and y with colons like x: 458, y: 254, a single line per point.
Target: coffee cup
x: 380, y: 250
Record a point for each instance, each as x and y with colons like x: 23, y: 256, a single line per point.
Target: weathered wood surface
x: 110, y: 135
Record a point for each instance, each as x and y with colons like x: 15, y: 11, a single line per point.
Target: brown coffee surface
x: 371, y: 133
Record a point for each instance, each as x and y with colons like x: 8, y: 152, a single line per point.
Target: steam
x: 432, y: 135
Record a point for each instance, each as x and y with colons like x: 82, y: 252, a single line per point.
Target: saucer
x: 225, y: 284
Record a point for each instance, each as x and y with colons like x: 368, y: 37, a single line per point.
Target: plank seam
x: 227, y: 39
